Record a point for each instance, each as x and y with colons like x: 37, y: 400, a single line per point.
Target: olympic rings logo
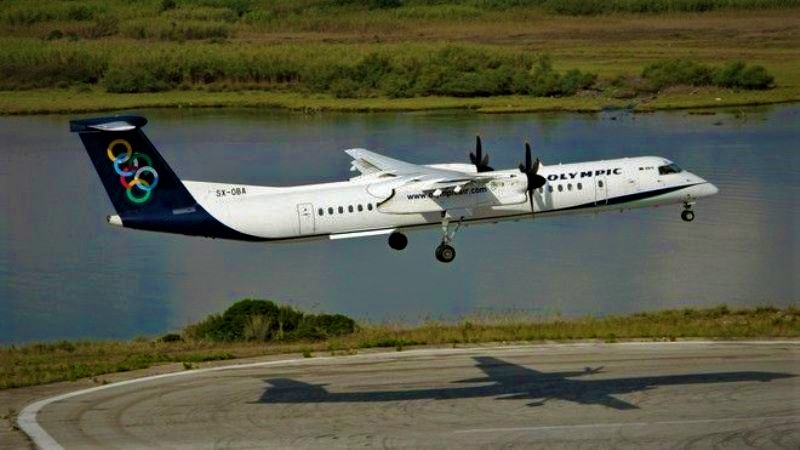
x: 133, y: 164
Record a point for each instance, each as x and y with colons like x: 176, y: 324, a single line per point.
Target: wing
x: 369, y: 163
x: 406, y: 188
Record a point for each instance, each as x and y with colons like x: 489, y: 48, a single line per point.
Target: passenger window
x: 580, y: 186
x: 549, y: 188
x: 560, y: 188
x: 569, y: 186
x: 330, y: 210
x: 369, y: 206
x: 360, y: 208
x: 321, y: 211
x: 341, y: 210
x: 350, y: 208
x: 600, y: 183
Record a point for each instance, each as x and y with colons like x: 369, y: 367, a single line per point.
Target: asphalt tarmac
x: 644, y: 395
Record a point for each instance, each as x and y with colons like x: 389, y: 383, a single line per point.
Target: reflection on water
x: 65, y: 273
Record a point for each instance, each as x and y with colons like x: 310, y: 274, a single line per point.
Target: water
x: 64, y: 273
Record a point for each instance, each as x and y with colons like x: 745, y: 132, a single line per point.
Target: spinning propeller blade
x: 531, y: 169
x: 480, y: 160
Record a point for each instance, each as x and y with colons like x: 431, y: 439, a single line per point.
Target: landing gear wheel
x: 398, y: 241
x: 687, y: 215
x: 445, y: 253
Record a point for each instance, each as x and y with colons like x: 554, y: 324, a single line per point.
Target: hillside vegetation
x: 256, y: 327
x: 590, y: 53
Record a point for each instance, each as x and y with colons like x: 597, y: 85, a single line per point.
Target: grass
x: 61, y: 56
x: 40, y: 363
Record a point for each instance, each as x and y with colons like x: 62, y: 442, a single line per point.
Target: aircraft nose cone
x: 711, y: 189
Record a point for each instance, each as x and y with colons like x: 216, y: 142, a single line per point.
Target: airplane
x: 387, y: 197
x: 508, y: 381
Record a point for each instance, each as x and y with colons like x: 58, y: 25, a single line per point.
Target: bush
x: 46, y: 65
x: 324, y: 326
x: 738, y: 75
x: 685, y: 72
x: 676, y: 72
x: 344, y: 88
x: 595, y: 7
x: 171, y: 337
x: 439, y: 12
x: 202, y: 14
x: 55, y: 35
x: 80, y: 12
x: 167, y: 5
x: 132, y: 79
x: 105, y: 25
x: 176, y: 30
x: 263, y: 320
x: 575, y: 80
x: 240, y: 7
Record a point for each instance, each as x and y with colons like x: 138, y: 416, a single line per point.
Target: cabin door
x: 305, y: 217
x: 600, y: 190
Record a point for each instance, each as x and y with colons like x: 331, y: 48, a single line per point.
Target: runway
x: 654, y: 395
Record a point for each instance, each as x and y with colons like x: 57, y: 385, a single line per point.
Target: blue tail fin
x: 136, y: 177
x: 144, y: 190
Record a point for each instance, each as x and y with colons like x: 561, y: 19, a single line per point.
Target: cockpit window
x: 669, y: 168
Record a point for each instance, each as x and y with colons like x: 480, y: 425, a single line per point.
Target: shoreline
x: 70, y: 101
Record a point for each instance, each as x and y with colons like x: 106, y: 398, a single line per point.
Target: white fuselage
x: 371, y: 204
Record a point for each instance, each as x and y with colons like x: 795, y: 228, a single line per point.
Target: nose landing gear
x: 687, y: 215
x: 445, y: 253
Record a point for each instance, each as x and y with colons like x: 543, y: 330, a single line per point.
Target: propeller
x: 530, y: 169
x: 480, y: 160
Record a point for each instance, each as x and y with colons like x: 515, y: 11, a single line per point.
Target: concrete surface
x: 646, y: 395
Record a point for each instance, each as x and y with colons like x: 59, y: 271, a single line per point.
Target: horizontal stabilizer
x: 114, y: 123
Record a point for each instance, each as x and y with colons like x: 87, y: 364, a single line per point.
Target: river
x: 65, y: 273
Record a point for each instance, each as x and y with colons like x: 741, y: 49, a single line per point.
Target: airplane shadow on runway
x: 507, y: 381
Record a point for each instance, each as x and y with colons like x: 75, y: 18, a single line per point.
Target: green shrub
x: 171, y: 337
x: 344, y: 88
x: 105, y: 25
x: 81, y: 12
x: 174, y: 30
x: 595, y: 7
x: 263, y: 320
x: 675, y: 72
x: 240, y: 7
x: 202, y: 13
x: 167, y: 5
x: 544, y: 81
x: 439, y: 12
x: 685, y: 72
x: 27, y: 16
x: 578, y: 7
x: 133, y: 79
x: 55, y: 35
x: 323, y: 326
x: 378, y: 4
x: 738, y: 75
x: 46, y: 65
x: 575, y: 80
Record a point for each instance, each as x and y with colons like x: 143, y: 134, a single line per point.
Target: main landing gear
x: 687, y: 215
x: 445, y: 252
x: 398, y: 241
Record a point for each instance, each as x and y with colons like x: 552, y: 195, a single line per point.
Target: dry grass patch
x: 39, y: 363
